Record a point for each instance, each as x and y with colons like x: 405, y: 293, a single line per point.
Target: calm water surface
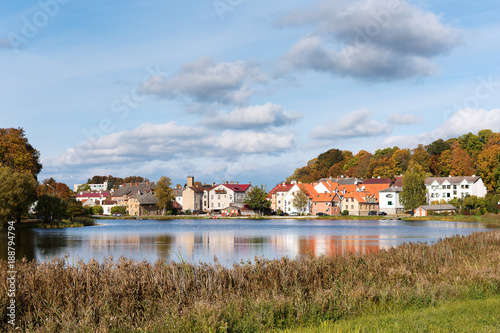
x: 229, y: 240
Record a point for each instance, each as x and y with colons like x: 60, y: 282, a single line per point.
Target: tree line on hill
x: 469, y: 154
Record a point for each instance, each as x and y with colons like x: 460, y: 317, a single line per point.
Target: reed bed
x: 125, y: 295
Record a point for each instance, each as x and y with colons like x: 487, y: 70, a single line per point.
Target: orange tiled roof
x: 308, y: 190
x: 325, y: 197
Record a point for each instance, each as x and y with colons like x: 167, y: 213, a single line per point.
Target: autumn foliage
x: 469, y: 154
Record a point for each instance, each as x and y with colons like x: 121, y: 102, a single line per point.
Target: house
x: 389, y: 200
x: 93, y: 187
x: 289, y: 198
x: 427, y: 209
x: 192, y: 198
x: 277, y: 194
x: 227, y: 194
x: 107, y: 205
x: 360, y: 203
x: 178, y: 194
x: 447, y: 188
x: 326, y: 203
x: 128, y: 190
x: 143, y: 204
x: 97, y: 198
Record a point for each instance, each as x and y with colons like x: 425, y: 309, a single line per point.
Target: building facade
x: 447, y: 188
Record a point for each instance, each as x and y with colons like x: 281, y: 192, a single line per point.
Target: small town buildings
x: 326, y: 203
x: 93, y: 187
x: 428, y: 209
x: 289, y: 198
x: 96, y: 198
x: 192, y: 198
x: 107, y: 205
x: 227, y: 194
x: 277, y: 194
x: 143, y: 204
x: 447, y: 188
x: 360, y: 203
x: 178, y: 194
x: 389, y: 200
x: 128, y: 190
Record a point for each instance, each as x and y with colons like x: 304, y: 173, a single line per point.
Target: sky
x: 239, y: 90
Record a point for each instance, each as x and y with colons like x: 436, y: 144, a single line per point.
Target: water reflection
x: 229, y: 241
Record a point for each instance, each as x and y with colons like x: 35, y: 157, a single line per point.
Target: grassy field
x: 124, y: 295
x: 461, y: 316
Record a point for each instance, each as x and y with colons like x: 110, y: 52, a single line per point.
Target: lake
x: 229, y: 240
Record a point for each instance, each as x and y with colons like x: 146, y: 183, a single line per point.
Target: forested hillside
x: 469, y: 154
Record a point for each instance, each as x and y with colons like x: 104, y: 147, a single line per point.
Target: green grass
x: 460, y: 316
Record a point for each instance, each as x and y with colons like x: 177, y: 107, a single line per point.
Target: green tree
x: 119, y: 210
x: 257, y: 199
x: 17, y: 193
x: 97, y: 210
x: 74, y: 208
x: 413, y: 194
x: 50, y: 208
x: 164, y: 194
x: 300, y: 201
x: 83, y: 188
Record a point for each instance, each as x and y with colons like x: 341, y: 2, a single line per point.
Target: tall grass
x: 125, y: 295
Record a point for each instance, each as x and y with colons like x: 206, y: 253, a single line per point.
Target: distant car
x: 382, y: 213
x: 320, y: 214
x: 283, y: 214
x: 372, y: 212
x: 294, y: 214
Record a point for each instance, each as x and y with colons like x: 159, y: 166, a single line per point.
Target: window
x: 448, y: 187
x: 448, y: 195
x: 218, y: 197
x: 218, y: 204
x: 389, y: 203
x: 279, y: 202
x: 454, y: 187
x: 352, y: 206
x: 230, y: 197
x: 212, y: 197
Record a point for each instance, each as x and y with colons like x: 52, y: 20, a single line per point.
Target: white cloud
x: 461, y: 122
x: 369, y: 39
x: 169, y: 141
x: 208, y: 82
x: 354, y: 124
x: 256, y: 116
x: 404, y: 119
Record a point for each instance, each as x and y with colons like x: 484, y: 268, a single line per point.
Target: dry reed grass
x: 125, y: 295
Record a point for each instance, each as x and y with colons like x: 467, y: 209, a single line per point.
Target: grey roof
x: 438, y: 207
x: 391, y: 189
x: 130, y: 189
x: 452, y: 180
x: 146, y: 199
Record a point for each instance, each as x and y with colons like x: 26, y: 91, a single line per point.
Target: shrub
x: 345, y: 212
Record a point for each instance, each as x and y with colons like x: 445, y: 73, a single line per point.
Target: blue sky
x: 241, y: 90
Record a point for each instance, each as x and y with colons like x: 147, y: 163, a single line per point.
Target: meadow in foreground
x: 124, y: 295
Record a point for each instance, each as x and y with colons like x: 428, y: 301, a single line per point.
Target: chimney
x: 136, y: 184
x: 131, y: 184
x: 213, y: 184
x: 232, y: 183
x: 147, y: 183
x: 190, y: 181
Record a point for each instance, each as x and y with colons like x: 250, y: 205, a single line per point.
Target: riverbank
x: 76, y: 223
x: 125, y: 295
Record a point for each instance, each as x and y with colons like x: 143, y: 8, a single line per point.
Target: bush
x: 86, y: 221
x: 119, y: 209
x: 345, y: 212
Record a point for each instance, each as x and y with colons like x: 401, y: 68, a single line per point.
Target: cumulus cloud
x: 165, y: 142
x: 354, y: 124
x: 205, y: 81
x: 369, y: 39
x: 256, y: 116
x: 461, y: 122
x: 404, y: 119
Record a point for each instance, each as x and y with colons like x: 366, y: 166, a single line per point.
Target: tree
x: 119, y: 210
x: 83, y: 188
x: 97, y: 210
x: 17, y: 193
x: 300, y: 201
x: 421, y: 157
x: 165, y: 194
x: 50, y: 208
x: 50, y: 186
x: 74, y: 208
x: 413, y: 194
x: 437, y: 147
x: 257, y: 199
x: 463, y: 164
x: 17, y: 153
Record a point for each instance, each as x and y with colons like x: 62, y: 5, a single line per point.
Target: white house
x: 308, y: 189
x: 227, y: 194
x: 389, y: 200
x: 447, y: 188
